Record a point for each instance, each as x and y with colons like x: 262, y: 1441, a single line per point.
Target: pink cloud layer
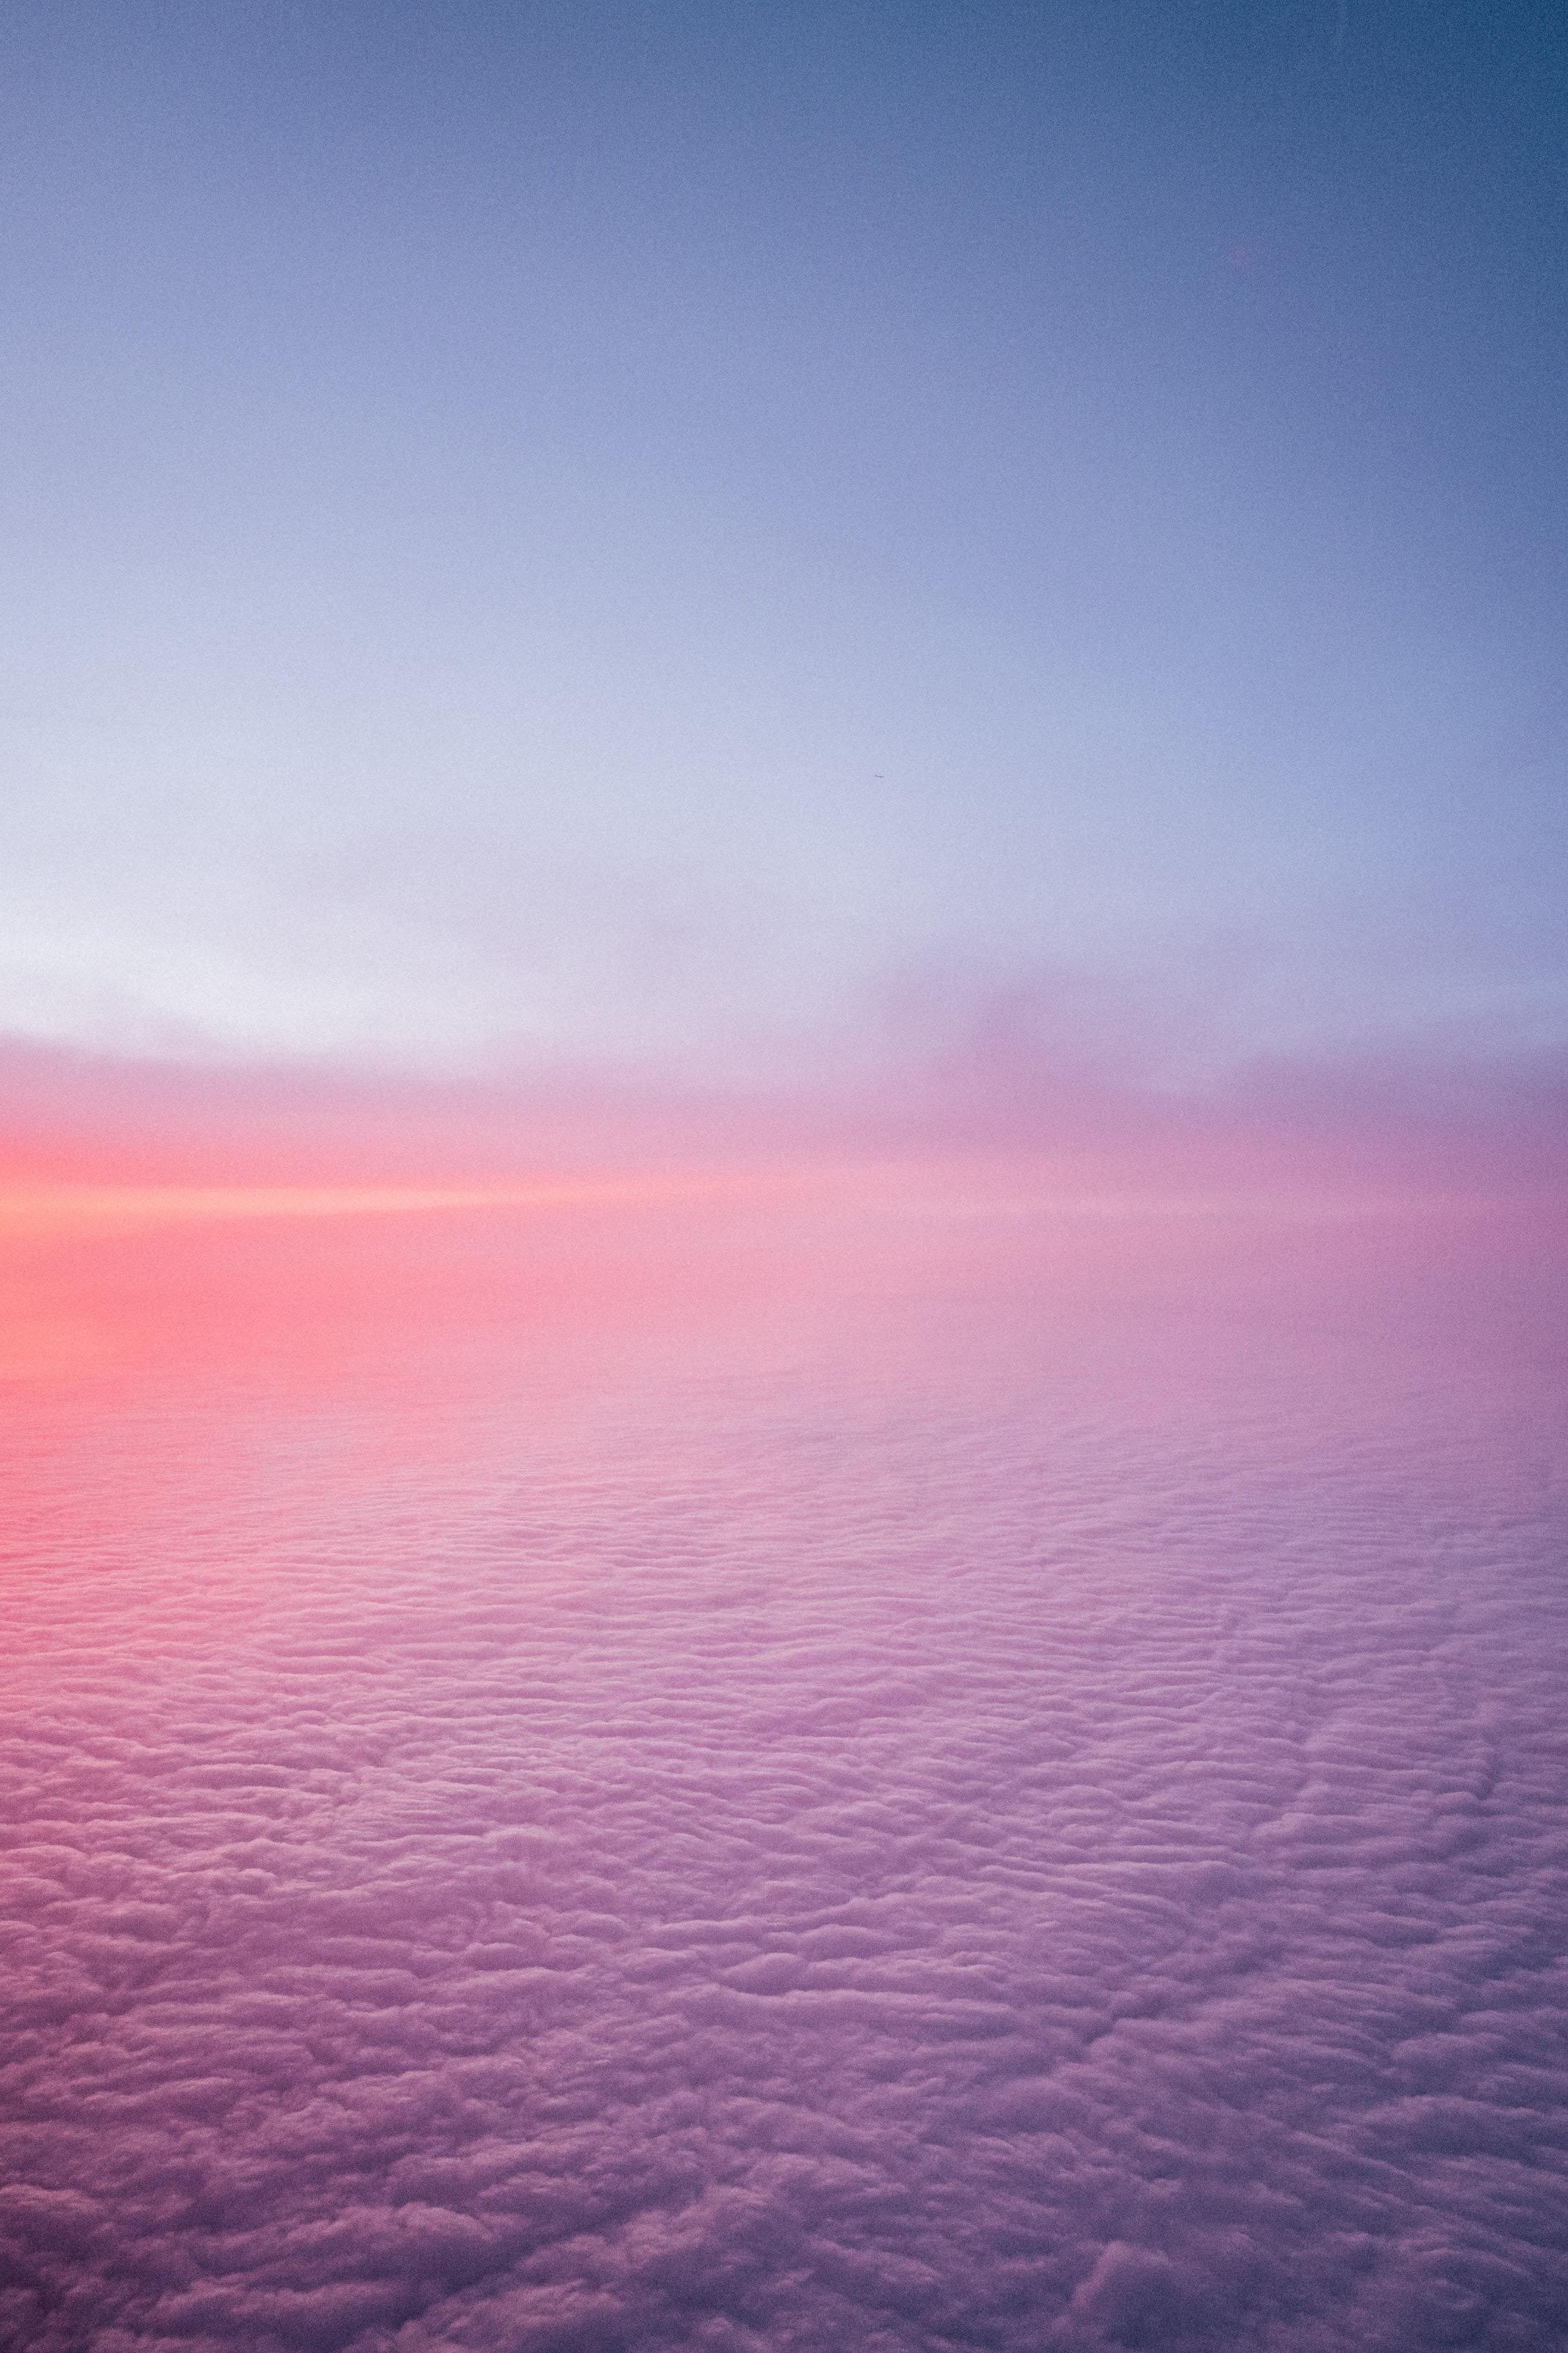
x: 1418, y: 1127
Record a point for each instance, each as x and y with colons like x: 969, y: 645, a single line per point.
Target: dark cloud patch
x: 1062, y: 1851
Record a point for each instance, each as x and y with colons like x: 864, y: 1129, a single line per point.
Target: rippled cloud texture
x: 897, y: 1771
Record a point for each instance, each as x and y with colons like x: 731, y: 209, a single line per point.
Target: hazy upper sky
x: 720, y: 530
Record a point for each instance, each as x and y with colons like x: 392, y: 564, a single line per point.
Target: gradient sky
x: 721, y: 534
x: 783, y: 1130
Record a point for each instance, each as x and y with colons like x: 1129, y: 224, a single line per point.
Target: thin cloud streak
x: 1437, y: 1123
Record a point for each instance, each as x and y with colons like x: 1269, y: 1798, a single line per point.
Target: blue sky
x: 701, y: 534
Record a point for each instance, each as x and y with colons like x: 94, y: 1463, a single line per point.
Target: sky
x: 783, y: 1124
x: 744, y: 541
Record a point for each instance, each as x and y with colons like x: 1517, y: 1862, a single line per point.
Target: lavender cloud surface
x: 907, y: 1806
